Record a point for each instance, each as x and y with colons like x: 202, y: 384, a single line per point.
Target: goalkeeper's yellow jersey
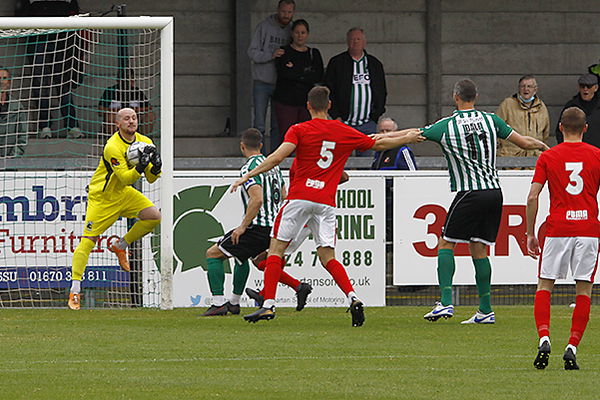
x: 113, y: 173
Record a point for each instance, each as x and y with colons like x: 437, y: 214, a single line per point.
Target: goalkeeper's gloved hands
x: 156, y: 162
x: 144, y: 160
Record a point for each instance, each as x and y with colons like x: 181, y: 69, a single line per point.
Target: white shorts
x: 578, y: 253
x: 294, y: 214
x: 298, y: 240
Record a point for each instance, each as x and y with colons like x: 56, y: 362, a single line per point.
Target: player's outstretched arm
x: 274, y: 159
x: 392, y: 134
x: 401, y: 138
x: 255, y: 193
x: 533, y: 246
x: 527, y: 142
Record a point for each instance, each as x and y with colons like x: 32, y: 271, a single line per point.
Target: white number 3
x: 575, y: 185
x: 326, y: 154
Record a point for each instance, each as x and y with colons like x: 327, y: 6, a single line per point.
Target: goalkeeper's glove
x: 144, y: 159
x: 156, y: 162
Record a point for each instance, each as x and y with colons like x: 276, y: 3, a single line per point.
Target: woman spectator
x: 298, y: 69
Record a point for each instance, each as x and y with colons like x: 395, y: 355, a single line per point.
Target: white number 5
x: 575, y: 185
x: 326, y: 153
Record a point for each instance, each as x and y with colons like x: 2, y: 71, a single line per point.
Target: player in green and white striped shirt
x: 468, y: 140
x: 272, y: 186
x: 261, y: 199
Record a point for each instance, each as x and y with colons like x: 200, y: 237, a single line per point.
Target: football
x: 134, y: 151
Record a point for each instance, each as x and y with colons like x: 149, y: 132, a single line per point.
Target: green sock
x: 445, y: 270
x: 240, y: 277
x: 483, y: 277
x: 216, y: 276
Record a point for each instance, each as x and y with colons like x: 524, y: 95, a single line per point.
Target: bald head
x: 123, y: 112
x: 127, y: 122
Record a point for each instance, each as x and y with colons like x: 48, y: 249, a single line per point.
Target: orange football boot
x: 122, y: 256
x: 74, y: 301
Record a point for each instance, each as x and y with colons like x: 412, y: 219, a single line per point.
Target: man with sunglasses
x: 588, y: 100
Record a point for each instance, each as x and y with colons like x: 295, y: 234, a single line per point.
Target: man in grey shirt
x: 270, y: 35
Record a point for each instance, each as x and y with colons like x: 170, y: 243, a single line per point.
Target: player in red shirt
x: 322, y: 148
x: 572, y: 170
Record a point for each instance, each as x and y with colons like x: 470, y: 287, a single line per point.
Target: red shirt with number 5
x: 322, y: 149
x: 573, y: 174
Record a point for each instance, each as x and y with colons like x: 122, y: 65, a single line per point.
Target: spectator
x: 125, y: 94
x: 527, y: 114
x: 13, y: 120
x: 56, y: 64
x: 298, y: 69
x: 401, y: 158
x: 398, y: 158
x: 265, y: 47
x: 587, y: 100
x: 357, y: 83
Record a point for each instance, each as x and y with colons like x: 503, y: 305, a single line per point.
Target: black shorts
x: 474, y: 216
x: 254, y: 241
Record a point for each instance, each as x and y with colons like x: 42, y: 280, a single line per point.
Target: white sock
x: 219, y: 300
x: 268, y: 303
x: 75, y: 287
x: 121, y: 244
x: 570, y: 346
x: 543, y: 339
x: 352, y: 296
x: 235, y: 299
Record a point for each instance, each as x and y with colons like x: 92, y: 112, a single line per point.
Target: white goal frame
x: 165, y: 25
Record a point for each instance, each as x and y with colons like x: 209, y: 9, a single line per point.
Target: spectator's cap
x: 588, y: 79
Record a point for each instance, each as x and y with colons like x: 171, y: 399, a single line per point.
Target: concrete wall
x: 497, y: 42
x: 493, y: 42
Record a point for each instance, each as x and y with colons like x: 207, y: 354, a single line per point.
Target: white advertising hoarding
x: 421, y: 200
x: 204, y: 209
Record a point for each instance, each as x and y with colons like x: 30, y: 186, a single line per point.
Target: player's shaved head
x: 318, y: 98
x: 466, y: 90
x: 573, y: 120
x: 252, y: 138
x: 123, y: 112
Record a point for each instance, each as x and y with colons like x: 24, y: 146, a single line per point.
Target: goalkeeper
x: 111, y: 196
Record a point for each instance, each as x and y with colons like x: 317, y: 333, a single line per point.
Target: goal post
x: 61, y: 163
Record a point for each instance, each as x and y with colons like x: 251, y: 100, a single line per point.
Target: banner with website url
x: 204, y: 210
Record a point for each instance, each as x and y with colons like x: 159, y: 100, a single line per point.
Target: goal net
x: 62, y: 80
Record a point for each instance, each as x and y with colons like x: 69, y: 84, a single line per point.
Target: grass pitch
x: 313, y: 354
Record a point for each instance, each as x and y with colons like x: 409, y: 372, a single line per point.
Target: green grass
x: 313, y: 354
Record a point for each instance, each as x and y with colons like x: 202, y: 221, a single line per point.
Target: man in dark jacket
x: 589, y: 101
x: 357, y: 83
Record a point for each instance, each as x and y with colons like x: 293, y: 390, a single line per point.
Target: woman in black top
x: 298, y: 69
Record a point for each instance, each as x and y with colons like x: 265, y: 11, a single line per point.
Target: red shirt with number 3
x: 573, y: 174
x: 322, y: 149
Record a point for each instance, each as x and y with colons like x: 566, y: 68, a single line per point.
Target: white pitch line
x: 265, y: 358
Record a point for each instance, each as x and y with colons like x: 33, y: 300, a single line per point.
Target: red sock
x: 541, y: 311
x: 581, y: 316
x: 289, y: 280
x: 284, y: 277
x: 272, y: 273
x: 339, y: 275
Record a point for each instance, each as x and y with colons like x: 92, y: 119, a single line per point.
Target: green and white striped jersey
x: 468, y: 139
x: 271, y: 182
x: 361, y: 98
